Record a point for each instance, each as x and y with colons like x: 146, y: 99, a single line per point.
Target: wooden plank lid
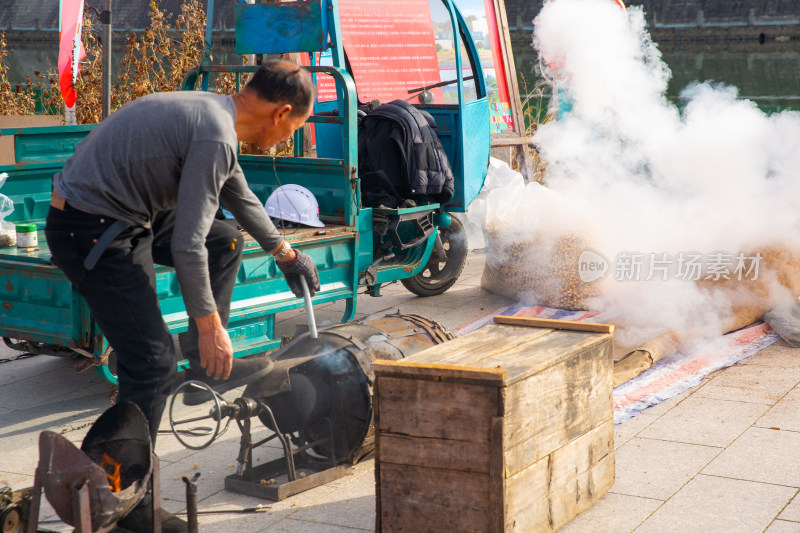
x: 497, y: 353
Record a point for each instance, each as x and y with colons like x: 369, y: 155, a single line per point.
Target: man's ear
x: 281, y: 113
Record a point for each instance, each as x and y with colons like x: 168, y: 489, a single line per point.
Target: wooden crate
x: 508, y: 428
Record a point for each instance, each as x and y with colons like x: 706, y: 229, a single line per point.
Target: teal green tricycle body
x: 358, y: 250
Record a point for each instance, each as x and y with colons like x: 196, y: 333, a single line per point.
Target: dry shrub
x: 6, y: 97
x: 21, y: 99
x: 156, y: 60
x: 535, y: 101
x: 89, y: 103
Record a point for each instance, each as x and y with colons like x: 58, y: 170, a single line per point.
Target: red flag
x: 70, y: 50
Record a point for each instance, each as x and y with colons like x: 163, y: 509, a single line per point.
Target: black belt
x: 102, y: 243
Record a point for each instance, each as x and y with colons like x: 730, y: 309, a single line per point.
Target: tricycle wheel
x: 438, y: 275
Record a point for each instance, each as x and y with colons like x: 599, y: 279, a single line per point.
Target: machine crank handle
x: 312, y: 323
x: 216, y: 413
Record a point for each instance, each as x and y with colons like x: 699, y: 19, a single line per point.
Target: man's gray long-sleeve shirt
x: 169, y: 151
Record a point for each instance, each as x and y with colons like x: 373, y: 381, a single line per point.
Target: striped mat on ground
x: 668, y: 377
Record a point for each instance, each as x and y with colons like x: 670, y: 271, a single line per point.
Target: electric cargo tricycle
x: 359, y: 248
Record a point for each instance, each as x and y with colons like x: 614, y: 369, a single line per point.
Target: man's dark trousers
x: 122, y: 295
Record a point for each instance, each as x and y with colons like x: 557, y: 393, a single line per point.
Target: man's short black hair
x: 282, y: 82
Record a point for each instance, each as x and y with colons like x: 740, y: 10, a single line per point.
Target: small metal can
x: 27, y: 237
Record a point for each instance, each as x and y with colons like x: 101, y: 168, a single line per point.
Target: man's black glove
x: 301, y: 265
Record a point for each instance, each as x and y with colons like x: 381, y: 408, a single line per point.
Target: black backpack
x: 401, y: 158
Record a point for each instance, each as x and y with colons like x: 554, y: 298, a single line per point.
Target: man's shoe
x: 243, y: 372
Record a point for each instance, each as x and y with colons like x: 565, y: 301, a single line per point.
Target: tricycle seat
x: 390, y: 222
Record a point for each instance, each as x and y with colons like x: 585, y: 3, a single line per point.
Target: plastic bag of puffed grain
x: 8, y: 233
x: 534, y: 240
x: 499, y: 176
x: 536, y: 272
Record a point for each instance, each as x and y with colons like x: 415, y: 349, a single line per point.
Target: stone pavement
x: 721, y: 457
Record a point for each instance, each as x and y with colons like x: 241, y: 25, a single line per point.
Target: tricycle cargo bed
x: 38, y: 304
x: 39, y: 153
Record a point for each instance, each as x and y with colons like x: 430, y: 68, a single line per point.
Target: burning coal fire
x: 111, y: 468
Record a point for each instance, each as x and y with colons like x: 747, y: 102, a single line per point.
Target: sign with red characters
x: 397, y: 48
x: 390, y: 46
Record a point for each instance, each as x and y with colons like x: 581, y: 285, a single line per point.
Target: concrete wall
x: 521, y: 13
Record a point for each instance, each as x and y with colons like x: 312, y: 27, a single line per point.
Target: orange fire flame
x: 112, y: 472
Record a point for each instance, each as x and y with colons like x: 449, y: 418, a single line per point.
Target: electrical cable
x: 256, y: 509
x: 19, y: 357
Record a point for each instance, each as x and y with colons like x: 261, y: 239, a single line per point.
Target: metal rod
x: 256, y: 509
x: 36, y: 502
x: 81, y: 512
x: 195, y: 419
x: 191, y: 502
x: 312, y: 323
x: 287, y: 448
x: 105, y: 17
x: 155, y: 486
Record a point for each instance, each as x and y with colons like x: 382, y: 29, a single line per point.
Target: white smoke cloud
x: 717, y: 176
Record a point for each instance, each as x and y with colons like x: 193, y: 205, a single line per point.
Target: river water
x: 769, y: 75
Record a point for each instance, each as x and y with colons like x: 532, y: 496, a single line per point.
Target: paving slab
x: 752, y: 383
x: 20, y: 366
x: 214, y: 463
x: 613, y: 513
x: 227, y: 511
x: 291, y: 525
x: 14, y: 480
x: 458, y: 295
x: 365, y: 467
x: 657, y: 469
x: 375, y: 304
x: 625, y: 432
x: 792, y: 511
x: 708, y: 421
x: 782, y: 526
x: 784, y: 414
x: 779, y: 355
x: 718, y: 504
x: 52, y: 386
x: 760, y: 454
x: 351, y: 505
